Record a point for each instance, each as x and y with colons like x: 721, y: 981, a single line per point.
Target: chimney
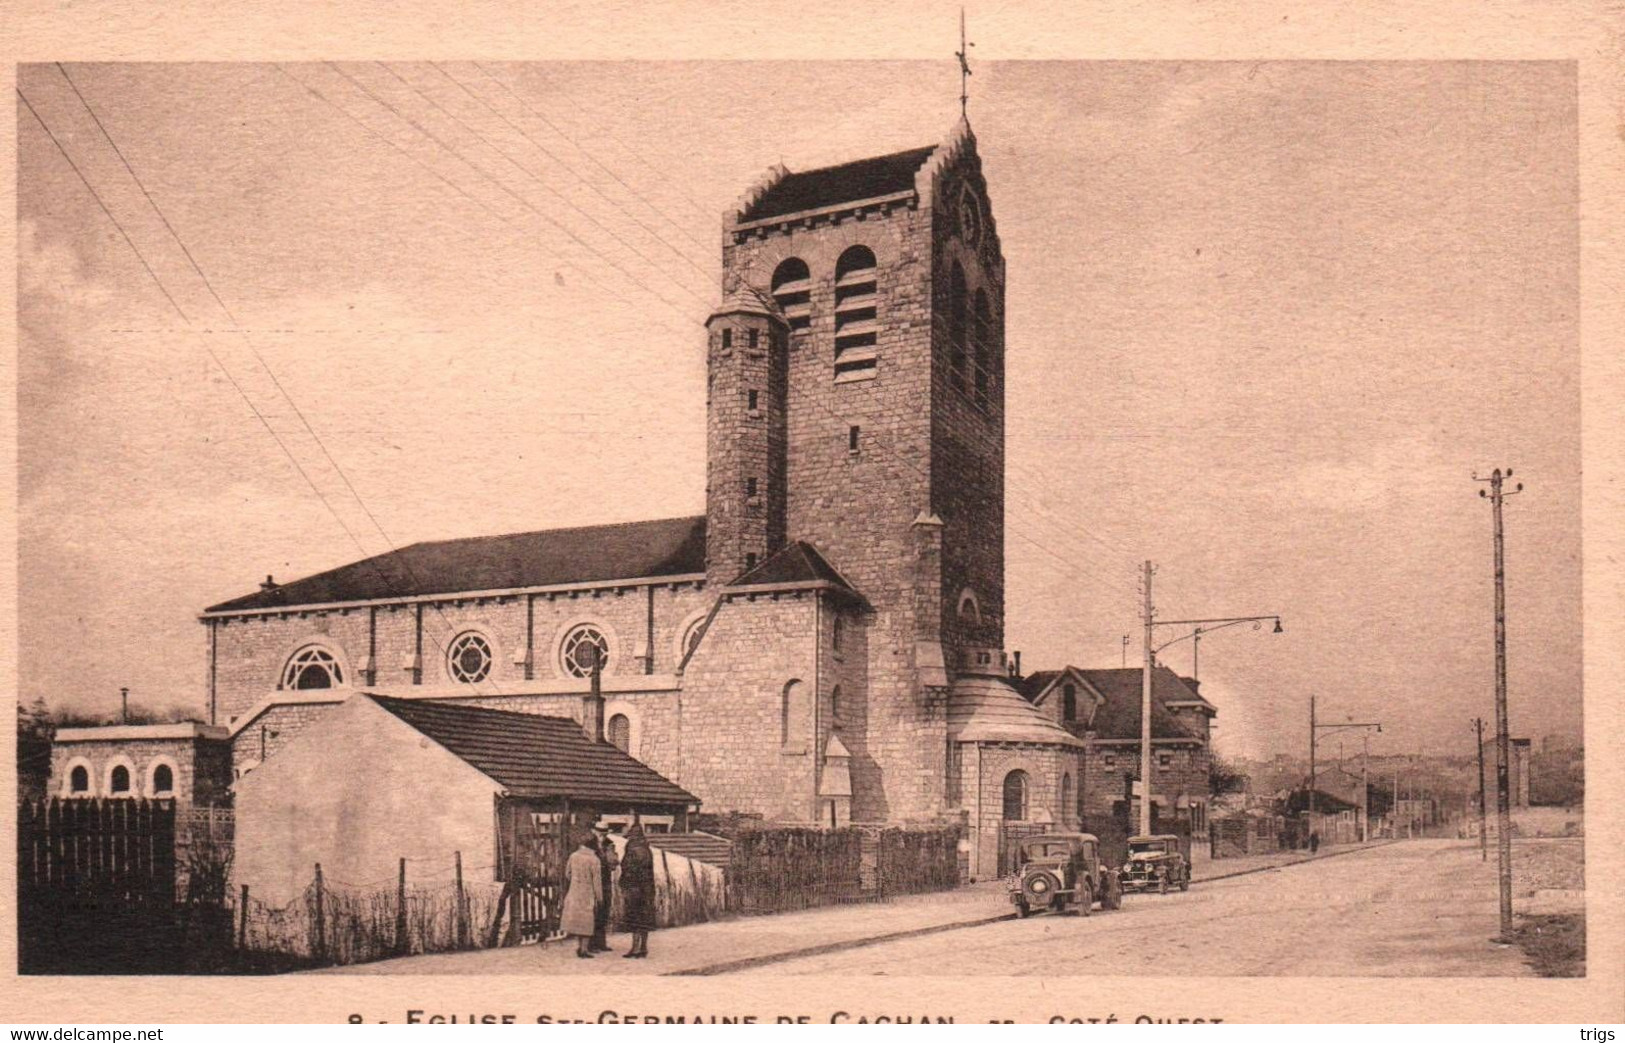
x: 1015, y: 666
x: 269, y: 584
x: 592, y: 706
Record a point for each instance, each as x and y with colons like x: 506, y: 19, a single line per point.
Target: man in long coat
x: 608, y: 861
x: 584, y: 890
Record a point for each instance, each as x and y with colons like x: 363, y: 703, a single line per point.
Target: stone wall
x: 741, y: 747
x: 186, y: 758
x: 252, y: 651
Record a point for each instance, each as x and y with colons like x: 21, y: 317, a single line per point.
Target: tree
x: 1225, y: 777
x: 34, y: 731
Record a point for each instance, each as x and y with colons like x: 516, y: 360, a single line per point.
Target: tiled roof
x: 986, y: 709
x: 535, y: 756
x: 1033, y: 685
x: 701, y: 847
x: 1119, y: 716
x: 668, y: 547
x: 845, y: 183
x: 796, y: 562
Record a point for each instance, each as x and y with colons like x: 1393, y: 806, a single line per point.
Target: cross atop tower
x: 963, y: 54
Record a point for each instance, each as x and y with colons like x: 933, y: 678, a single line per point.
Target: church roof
x: 1119, y: 716
x: 984, y: 708
x: 795, y: 562
x: 843, y: 183
x: 537, y: 757
x: 589, y: 554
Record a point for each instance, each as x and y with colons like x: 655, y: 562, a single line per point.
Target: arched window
x: 163, y: 780
x: 970, y: 611
x: 469, y: 659
x: 619, y: 732
x: 1069, y: 702
x: 312, y: 667
x: 583, y: 646
x: 118, y: 780
x: 79, y: 779
x: 1067, y: 795
x: 857, y: 321
x: 1015, y: 796
x: 795, y: 715
x: 792, y: 288
x: 956, y: 328
x: 837, y: 632
x: 982, y: 339
x: 835, y: 704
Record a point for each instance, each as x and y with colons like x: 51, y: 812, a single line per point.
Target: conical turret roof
x: 984, y: 708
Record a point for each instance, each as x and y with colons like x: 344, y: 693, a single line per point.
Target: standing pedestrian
x: 584, y: 891
x: 638, y: 891
x: 1314, y: 842
x: 607, y: 862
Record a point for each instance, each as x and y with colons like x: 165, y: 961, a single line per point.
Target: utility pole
x: 1483, y: 807
x: 1365, y: 793
x: 1503, y: 802
x: 1145, y: 712
x: 1310, y: 821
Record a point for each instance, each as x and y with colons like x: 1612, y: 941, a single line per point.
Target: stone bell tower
x: 746, y: 437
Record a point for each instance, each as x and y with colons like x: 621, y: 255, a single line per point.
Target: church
x: 825, y: 645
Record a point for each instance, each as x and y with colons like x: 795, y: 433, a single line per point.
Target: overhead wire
x: 281, y: 390
x: 689, y: 260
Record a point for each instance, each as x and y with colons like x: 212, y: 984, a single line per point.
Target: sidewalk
x: 746, y: 941
x: 725, y: 943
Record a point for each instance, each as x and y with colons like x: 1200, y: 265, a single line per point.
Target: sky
x: 1265, y: 321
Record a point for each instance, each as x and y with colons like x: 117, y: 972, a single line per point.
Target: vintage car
x: 1058, y: 870
x: 1155, y: 863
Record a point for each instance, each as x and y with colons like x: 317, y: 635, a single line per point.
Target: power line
x: 335, y: 106
x: 583, y: 150
x: 601, y: 194
x: 264, y: 366
x: 561, y: 197
x: 101, y: 203
x: 421, y: 129
x: 628, y: 148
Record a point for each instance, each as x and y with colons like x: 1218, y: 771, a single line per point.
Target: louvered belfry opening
x: 856, y: 318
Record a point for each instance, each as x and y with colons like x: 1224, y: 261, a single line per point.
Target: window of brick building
x: 79, y: 780
x: 853, y: 433
x: 1068, y: 796
x: 582, y: 647
x: 1111, y: 762
x: 469, y: 660
x: 837, y: 632
x: 619, y: 732
x: 118, y: 780
x: 163, y: 780
x: 312, y: 667
x: 751, y: 400
x: 727, y: 339
x: 835, y: 704
x: 857, y: 329
x: 1165, y: 760
x: 1015, y: 796
x: 1069, y: 702
x: 795, y: 717
x: 792, y: 289
x: 750, y: 487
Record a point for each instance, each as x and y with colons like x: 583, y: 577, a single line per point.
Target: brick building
x: 825, y: 644
x: 1102, y: 709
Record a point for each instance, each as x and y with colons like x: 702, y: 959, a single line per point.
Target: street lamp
x: 1195, y: 636
x: 1314, y: 731
x: 1150, y: 657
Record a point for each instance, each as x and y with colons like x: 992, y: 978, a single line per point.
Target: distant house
x: 188, y: 763
x: 429, y: 781
x: 1102, y: 708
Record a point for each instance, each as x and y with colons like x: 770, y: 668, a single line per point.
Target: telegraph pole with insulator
x: 1503, y: 801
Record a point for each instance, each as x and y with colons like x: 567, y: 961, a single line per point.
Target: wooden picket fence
x: 95, y: 885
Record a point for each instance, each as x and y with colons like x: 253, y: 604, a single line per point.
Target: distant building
x: 188, y: 763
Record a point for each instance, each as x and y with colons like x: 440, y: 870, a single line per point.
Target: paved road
x: 1421, y: 908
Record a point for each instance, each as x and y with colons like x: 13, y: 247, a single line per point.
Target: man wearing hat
x: 608, y: 861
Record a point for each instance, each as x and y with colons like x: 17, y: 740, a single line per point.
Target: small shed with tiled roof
x: 431, y: 782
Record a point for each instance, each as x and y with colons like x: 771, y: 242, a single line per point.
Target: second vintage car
x: 1155, y: 863
x: 1057, y: 871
